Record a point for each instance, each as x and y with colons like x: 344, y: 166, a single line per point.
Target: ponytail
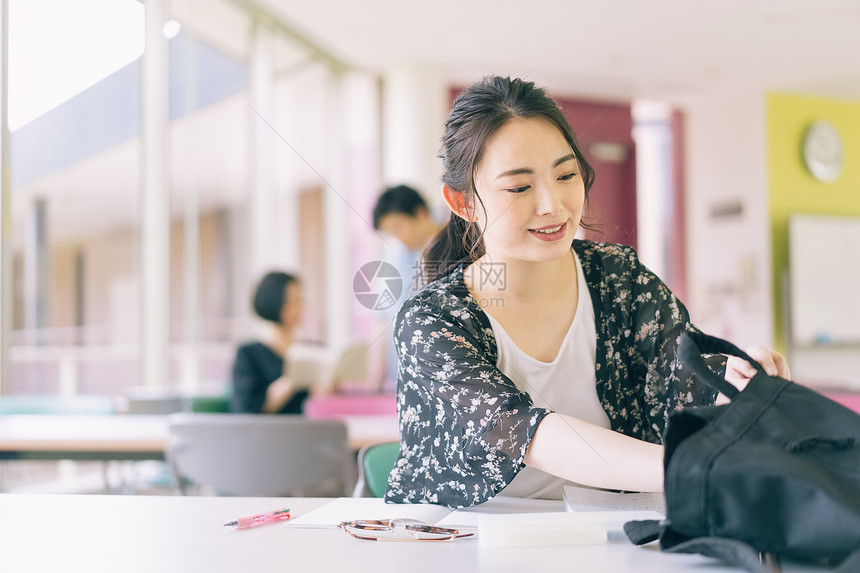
x: 457, y: 243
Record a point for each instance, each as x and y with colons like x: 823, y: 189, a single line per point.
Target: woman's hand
x: 277, y: 394
x: 739, y: 371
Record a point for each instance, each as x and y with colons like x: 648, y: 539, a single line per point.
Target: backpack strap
x: 735, y: 553
x: 643, y: 531
x: 851, y: 563
x: 690, y: 349
x: 739, y: 554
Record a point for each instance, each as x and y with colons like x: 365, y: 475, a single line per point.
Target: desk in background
x: 127, y: 437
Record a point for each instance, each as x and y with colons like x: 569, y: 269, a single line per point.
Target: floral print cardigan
x: 465, y: 427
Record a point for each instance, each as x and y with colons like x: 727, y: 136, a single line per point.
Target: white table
x: 163, y: 534
x: 130, y: 437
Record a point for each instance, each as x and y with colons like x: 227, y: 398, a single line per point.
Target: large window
x: 74, y: 117
x: 259, y: 157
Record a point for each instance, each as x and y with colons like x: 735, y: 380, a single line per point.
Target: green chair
x: 375, y: 462
x: 210, y: 404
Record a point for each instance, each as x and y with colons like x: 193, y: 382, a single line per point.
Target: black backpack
x: 776, y: 472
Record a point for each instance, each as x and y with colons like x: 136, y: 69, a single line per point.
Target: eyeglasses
x: 398, y: 530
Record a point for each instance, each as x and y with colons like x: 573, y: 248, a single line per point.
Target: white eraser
x: 511, y: 530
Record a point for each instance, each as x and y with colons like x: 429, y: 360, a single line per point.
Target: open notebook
x: 590, y: 499
x: 320, y: 367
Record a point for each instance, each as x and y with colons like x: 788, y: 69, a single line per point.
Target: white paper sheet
x: 351, y: 508
x: 469, y: 516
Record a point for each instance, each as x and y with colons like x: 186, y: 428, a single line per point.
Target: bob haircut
x: 270, y: 295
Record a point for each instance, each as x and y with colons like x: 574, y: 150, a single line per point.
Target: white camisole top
x: 566, y: 385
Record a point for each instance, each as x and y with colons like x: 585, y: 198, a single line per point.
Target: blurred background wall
x: 163, y: 155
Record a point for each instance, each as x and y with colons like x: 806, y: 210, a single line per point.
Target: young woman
x: 261, y: 381
x: 533, y: 359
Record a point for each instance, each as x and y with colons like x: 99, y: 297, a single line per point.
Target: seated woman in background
x: 261, y: 382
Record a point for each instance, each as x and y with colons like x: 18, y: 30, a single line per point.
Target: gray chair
x: 155, y: 404
x: 259, y: 455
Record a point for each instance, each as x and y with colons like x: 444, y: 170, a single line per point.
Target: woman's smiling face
x: 530, y: 184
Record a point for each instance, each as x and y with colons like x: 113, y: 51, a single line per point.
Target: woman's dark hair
x: 478, y: 112
x: 270, y: 295
x: 402, y: 199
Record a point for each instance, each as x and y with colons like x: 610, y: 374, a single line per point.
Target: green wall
x: 792, y: 187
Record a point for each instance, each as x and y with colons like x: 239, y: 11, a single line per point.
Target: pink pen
x: 261, y: 519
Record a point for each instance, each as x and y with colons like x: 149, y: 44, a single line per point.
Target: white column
x: 237, y: 244
x: 5, y: 203
x: 155, y: 203
x: 36, y: 271
x: 261, y: 206
x: 285, y: 214
x: 363, y: 139
x: 415, y: 101
x: 337, y: 264
x: 288, y: 114
x: 189, y: 381
x: 653, y: 182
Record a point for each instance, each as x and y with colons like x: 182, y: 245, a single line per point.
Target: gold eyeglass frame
x: 412, y: 527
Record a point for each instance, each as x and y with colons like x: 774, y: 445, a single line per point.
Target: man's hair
x: 401, y: 199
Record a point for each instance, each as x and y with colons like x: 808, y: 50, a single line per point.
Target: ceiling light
x: 171, y: 29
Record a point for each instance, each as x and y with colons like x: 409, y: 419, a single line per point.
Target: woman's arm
x: 590, y: 455
x: 464, y: 426
x: 278, y: 393
x: 248, y: 386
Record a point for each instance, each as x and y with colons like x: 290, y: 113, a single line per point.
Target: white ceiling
x: 656, y: 49
x: 667, y: 50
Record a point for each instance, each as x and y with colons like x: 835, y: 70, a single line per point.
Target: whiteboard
x: 824, y: 279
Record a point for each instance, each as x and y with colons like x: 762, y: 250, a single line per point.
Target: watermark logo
x: 493, y: 275
x: 488, y: 275
x: 377, y: 285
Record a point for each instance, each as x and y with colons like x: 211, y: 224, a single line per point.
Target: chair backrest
x: 259, y: 455
x: 375, y: 462
x: 154, y: 404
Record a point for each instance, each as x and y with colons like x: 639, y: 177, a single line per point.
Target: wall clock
x: 822, y: 150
